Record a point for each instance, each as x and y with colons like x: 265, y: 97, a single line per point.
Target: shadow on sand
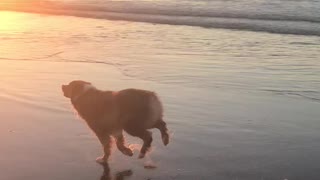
x: 117, y: 176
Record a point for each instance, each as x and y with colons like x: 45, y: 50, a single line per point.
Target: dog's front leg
x: 106, y: 143
x: 118, y: 135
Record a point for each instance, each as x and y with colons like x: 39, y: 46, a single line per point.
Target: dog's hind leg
x: 118, y: 135
x: 145, y: 135
x: 162, y: 126
x: 106, y: 143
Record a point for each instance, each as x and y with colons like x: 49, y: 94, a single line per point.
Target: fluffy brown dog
x: 108, y: 113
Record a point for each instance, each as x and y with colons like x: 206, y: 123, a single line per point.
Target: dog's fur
x: 108, y: 113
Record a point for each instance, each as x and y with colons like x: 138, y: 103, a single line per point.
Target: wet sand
x: 233, y: 136
x: 236, y: 111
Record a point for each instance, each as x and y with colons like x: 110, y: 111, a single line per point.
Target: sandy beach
x: 238, y: 108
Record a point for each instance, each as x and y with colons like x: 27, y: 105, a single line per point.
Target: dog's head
x: 75, y: 88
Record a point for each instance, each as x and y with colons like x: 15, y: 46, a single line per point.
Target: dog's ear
x: 78, y: 87
x: 76, y: 90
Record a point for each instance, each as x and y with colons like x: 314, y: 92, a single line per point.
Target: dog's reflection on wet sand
x: 117, y: 176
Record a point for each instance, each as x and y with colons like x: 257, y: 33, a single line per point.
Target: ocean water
x: 239, y: 81
x: 276, y: 16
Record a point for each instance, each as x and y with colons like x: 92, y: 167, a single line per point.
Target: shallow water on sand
x: 240, y: 105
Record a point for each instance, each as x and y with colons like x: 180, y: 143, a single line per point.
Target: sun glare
x: 8, y: 21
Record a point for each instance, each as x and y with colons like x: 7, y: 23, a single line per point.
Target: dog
x: 108, y: 113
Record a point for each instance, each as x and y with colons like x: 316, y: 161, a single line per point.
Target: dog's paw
x: 165, y: 139
x: 102, y: 160
x: 127, y: 151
